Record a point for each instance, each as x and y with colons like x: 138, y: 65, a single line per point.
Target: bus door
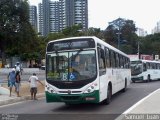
x: 102, y: 74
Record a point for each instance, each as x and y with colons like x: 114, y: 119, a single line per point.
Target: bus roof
x: 97, y: 40
x: 70, y: 38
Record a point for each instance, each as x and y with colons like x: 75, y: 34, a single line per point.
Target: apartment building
x: 33, y: 17
x: 57, y: 15
x: 156, y: 28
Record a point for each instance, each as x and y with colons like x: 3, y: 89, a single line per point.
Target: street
x: 120, y: 103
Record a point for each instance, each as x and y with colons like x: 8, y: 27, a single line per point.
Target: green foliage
x: 150, y: 44
x: 72, y: 31
x: 110, y: 35
x: 94, y: 32
x: 126, y: 29
x: 17, y: 35
x: 75, y: 30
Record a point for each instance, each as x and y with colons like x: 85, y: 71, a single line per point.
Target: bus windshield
x: 136, y: 67
x: 71, y: 65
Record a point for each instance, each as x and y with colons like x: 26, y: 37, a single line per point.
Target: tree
x: 72, y: 31
x: 17, y: 35
x: 150, y: 44
x: 75, y: 30
x: 110, y: 35
x: 126, y: 31
x: 94, y: 32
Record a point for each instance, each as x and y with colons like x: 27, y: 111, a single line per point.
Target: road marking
x: 135, y: 105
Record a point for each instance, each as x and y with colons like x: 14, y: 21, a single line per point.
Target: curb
x: 19, y: 99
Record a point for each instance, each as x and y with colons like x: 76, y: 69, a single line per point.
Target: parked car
x: 43, y: 67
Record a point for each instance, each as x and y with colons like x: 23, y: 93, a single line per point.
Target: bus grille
x: 71, y: 92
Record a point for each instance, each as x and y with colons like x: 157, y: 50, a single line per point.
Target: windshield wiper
x: 74, y: 56
x: 56, y: 50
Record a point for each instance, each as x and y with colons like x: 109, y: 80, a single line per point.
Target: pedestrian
x: 18, y: 82
x: 33, y: 86
x: 18, y: 67
x: 12, y: 80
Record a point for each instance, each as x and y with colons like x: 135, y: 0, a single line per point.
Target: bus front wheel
x: 148, y: 78
x: 109, y: 95
x: 125, y: 86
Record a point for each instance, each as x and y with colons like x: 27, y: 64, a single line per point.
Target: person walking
x: 33, y: 85
x: 18, y: 67
x: 12, y: 80
x: 18, y: 80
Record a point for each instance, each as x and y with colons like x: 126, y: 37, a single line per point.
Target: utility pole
x: 119, y: 34
x: 118, y: 39
x: 138, y: 50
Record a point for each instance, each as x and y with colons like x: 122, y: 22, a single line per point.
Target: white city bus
x: 84, y: 70
x: 145, y: 70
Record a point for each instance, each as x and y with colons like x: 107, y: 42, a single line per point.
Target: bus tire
x: 125, y: 86
x: 109, y: 95
x: 148, y: 78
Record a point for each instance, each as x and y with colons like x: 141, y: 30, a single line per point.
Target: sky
x: 145, y: 13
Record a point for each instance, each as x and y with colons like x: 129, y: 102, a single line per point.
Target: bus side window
x: 107, y: 57
x: 144, y: 67
x: 148, y: 65
x: 121, y: 62
x: 101, y: 59
x: 117, y: 61
x: 113, y: 64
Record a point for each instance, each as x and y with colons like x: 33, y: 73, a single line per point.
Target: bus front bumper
x: 139, y: 78
x: 73, y: 98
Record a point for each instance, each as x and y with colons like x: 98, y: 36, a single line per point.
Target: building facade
x: 33, y: 17
x: 156, y: 28
x: 57, y: 15
x: 40, y: 13
x: 141, y: 32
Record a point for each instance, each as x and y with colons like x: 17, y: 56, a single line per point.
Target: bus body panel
x: 74, y: 98
x: 72, y: 95
x: 150, y: 70
x: 117, y: 76
x: 103, y: 81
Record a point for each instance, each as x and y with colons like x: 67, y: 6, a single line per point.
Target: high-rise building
x: 40, y: 9
x: 141, y: 32
x: 46, y: 16
x: 57, y: 15
x: 156, y: 28
x: 54, y: 17
x: 33, y: 17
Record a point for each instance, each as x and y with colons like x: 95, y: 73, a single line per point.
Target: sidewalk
x: 24, y: 93
x: 144, y: 109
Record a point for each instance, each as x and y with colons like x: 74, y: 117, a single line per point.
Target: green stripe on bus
x: 73, y: 98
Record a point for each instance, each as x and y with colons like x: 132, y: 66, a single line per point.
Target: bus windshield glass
x: 71, y: 65
x: 136, y: 67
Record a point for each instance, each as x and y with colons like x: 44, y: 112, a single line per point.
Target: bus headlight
x: 91, y: 88
x: 50, y: 89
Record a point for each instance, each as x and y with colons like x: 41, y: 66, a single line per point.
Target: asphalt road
x: 120, y: 103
